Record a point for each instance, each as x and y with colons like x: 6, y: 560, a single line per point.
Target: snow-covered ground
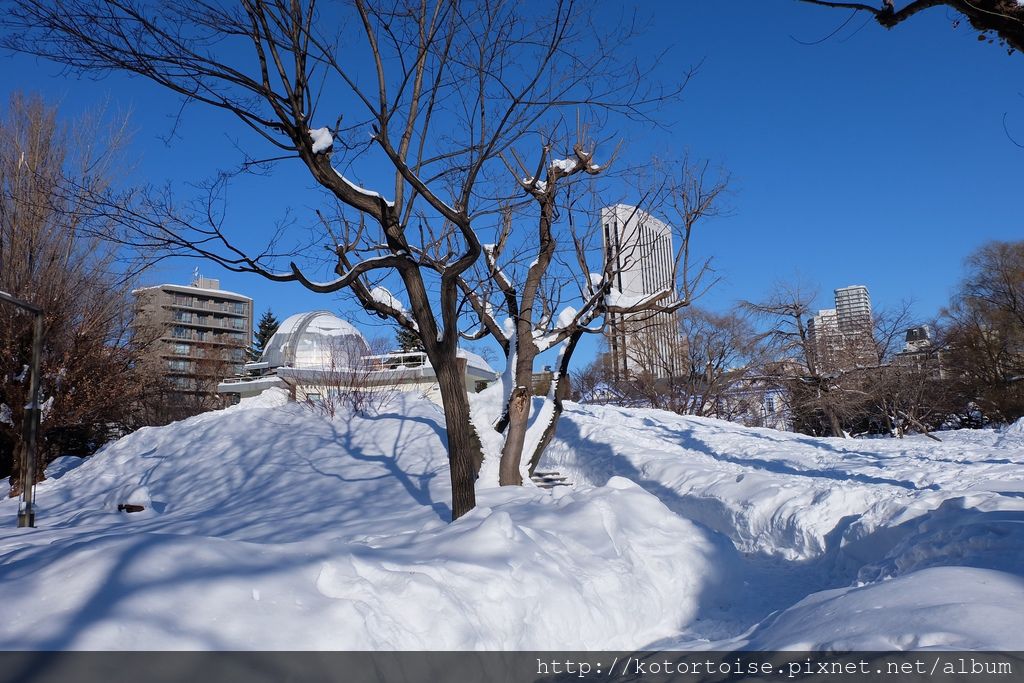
x: 267, y: 526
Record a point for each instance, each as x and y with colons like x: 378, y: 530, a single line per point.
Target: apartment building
x: 639, y: 249
x: 198, y: 334
x: 826, y: 341
x: 843, y: 337
x: 853, y: 309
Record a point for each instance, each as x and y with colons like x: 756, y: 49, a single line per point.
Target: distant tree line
x: 762, y: 363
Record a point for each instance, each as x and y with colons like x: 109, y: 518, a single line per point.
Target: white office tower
x: 639, y: 249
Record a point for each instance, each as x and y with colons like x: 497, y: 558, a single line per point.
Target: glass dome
x: 318, y: 340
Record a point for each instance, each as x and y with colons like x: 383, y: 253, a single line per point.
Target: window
x: 239, y: 308
x: 181, y: 349
x: 769, y: 404
x: 182, y: 317
x: 180, y: 333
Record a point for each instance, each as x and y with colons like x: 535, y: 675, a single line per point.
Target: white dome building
x: 314, y: 355
x: 318, y: 340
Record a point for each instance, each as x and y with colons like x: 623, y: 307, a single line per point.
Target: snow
x: 362, y: 190
x: 475, y: 360
x: 382, y: 296
x: 619, y: 299
x: 806, y: 515
x: 268, y: 526
x: 564, y: 165
x: 565, y: 317
x: 540, y: 185
x: 947, y: 608
x: 60, y: 466
x: 323, y: 139
x: 189, y: 289
x: 1016, y: 429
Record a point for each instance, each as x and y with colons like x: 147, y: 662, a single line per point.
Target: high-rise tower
x: 639, y: 249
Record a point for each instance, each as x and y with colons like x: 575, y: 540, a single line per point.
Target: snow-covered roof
x: 317, y: 340
x: 476, y: 361
x: 196, y: 290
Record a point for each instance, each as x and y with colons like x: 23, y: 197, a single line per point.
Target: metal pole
x: 30, y: 419
x: 26, y: 509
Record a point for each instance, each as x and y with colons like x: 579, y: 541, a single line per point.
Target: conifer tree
x: 264, y: 331
x: 408, y: 341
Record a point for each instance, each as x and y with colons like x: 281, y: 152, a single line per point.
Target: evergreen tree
x: 264, y: 331
x: 408, y: 341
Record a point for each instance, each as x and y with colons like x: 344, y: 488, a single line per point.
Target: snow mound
x: 946, y: 608
x: 783, y: 494
x: 58, y: 467
x: 1016, y: 429
x: 269, y: 527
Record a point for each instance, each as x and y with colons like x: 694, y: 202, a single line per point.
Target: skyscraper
x: 639, y: 249
x: 853, y: 309
x: 843, y: 337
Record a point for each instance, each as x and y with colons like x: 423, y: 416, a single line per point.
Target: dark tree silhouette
x: 995, y: 20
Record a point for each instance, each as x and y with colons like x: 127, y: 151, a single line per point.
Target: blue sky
x: 873, y: 157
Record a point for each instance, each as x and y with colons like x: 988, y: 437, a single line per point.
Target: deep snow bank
x: 784, y: 494
x: 947, y: 608
x: 847, y: 544
x: 269, y: 527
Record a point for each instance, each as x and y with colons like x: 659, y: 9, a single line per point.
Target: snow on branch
x: 382, y: 296
x: 362, y: 190
x: 323, y: 140
x: 618, y: 302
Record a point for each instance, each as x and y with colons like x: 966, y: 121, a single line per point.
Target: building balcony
x: 226, y: 308
x: 221, y: 324
x: 219, y: 340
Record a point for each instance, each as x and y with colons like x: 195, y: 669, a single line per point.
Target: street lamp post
x: 30, y: 421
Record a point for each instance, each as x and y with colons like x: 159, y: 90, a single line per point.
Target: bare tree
x: 434, y: 91
x: 560, y: 296
x: 350, y: 379
x: 994, y: 19
x: 799, y: 363
x: 722, y: 355
x: 986, y: 331
x: 48, y: 257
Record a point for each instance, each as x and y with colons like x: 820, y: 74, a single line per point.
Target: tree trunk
x: 464, y: 450
x: 559, y: 388
x: 835, y: 426
x: 515, y: 437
